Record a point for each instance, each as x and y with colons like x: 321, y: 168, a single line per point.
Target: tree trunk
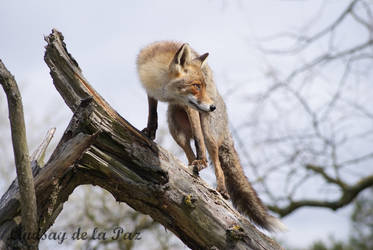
x: 101, y: 148
x: 21, y: 156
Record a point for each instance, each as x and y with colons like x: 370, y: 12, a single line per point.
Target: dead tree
x: 99, y: 147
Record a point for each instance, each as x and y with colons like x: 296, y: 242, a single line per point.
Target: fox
x: 174, y: 73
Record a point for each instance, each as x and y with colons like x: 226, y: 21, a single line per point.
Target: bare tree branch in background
x: 312, y: 125
x: 95, y: 208
x: 91, y: 198
x: 21, y: 157
x: 101, y: 148
x: 92, y: 207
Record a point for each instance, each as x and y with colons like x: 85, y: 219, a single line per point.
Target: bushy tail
x: 243, y: 196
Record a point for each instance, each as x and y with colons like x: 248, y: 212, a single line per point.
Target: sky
x: 105, y: 37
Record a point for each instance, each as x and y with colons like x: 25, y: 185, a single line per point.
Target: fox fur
x: 173, y: 72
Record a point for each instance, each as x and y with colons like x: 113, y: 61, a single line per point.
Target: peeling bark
x: 99, y: 147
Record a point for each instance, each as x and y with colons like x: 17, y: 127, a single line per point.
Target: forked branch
x: 99, y: 147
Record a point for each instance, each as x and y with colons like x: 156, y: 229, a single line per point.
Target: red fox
x: 174, y: 73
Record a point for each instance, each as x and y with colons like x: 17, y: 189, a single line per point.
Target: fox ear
x: 202, y: 59
x: 183, y: 55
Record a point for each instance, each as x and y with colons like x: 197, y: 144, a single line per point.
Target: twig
x: 39, y: 153
x: 348, y: 194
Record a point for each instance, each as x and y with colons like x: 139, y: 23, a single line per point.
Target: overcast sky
x: 104, y: 37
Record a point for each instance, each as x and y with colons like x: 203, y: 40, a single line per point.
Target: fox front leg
x: 195, y: 124
x: 152, y: 125
x: 212, y: 144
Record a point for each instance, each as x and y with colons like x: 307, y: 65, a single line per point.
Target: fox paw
x: 198, y: 165
x: 223, y: 192
x: 150, y: 133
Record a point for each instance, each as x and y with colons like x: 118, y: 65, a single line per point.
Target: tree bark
x: 100, y: 147
x: 21, y: 156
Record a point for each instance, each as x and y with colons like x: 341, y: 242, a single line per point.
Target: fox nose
x: 212, y: 107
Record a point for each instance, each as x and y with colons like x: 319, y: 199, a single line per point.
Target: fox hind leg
x: 152, y: 125
x: 184, y: 125
x: 184, y: 143
x: 178, y: 124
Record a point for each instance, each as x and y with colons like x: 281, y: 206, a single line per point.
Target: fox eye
x: 198, y: 86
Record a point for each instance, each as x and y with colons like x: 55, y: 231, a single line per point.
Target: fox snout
x: 209, y: 108
x: 200, y: 105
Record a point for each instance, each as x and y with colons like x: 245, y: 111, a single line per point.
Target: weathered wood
x: 53, y: 184
x: 117, y: 157
x: 39, y: 153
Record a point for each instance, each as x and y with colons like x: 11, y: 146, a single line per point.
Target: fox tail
x: 243, y: 195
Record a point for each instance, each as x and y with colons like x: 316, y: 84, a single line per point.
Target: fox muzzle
x: 202, y: 106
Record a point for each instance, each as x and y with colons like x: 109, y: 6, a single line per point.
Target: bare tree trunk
x: 21, y: 157
x: 99, y: 147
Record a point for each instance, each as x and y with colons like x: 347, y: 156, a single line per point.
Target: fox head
x: 187, y: 85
